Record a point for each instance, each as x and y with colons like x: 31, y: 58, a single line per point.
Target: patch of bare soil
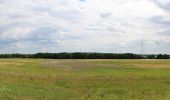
x: 152, y: 65
x: 76, y: 64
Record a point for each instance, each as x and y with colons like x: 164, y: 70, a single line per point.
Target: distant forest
x: 80, y: 55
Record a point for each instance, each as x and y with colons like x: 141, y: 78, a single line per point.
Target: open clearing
x: 44, y: 79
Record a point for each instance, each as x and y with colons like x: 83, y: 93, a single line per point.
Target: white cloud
x: 89, y: 25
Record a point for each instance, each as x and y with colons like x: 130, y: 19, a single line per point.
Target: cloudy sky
x: 31, y: 26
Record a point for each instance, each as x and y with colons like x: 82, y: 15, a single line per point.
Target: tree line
x: 80, y: 55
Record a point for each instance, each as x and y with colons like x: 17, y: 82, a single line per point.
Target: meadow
x: 47, y: 79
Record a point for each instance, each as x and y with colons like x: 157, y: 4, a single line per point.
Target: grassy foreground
x: 40, y: 79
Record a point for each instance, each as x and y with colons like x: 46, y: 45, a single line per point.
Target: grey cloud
x: 164, y: 33
x: 105, y: 15
x: 3, y: 28
x: 2, y: 1
x: 72, y: 15
x: 160, y: 20
x: 165, y: 6
x: 44, y: 33
x: 82, y: 0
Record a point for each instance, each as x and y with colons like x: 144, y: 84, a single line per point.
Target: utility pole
x: 142, y: 48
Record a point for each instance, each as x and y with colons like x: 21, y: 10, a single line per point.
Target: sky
x: 117, y: 26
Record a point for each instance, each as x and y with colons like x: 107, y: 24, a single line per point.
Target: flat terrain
x: 40, y: 79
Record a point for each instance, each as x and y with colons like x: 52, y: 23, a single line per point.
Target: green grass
x: 40, y: 79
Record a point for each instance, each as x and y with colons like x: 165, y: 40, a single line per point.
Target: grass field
x: 40, y: 79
